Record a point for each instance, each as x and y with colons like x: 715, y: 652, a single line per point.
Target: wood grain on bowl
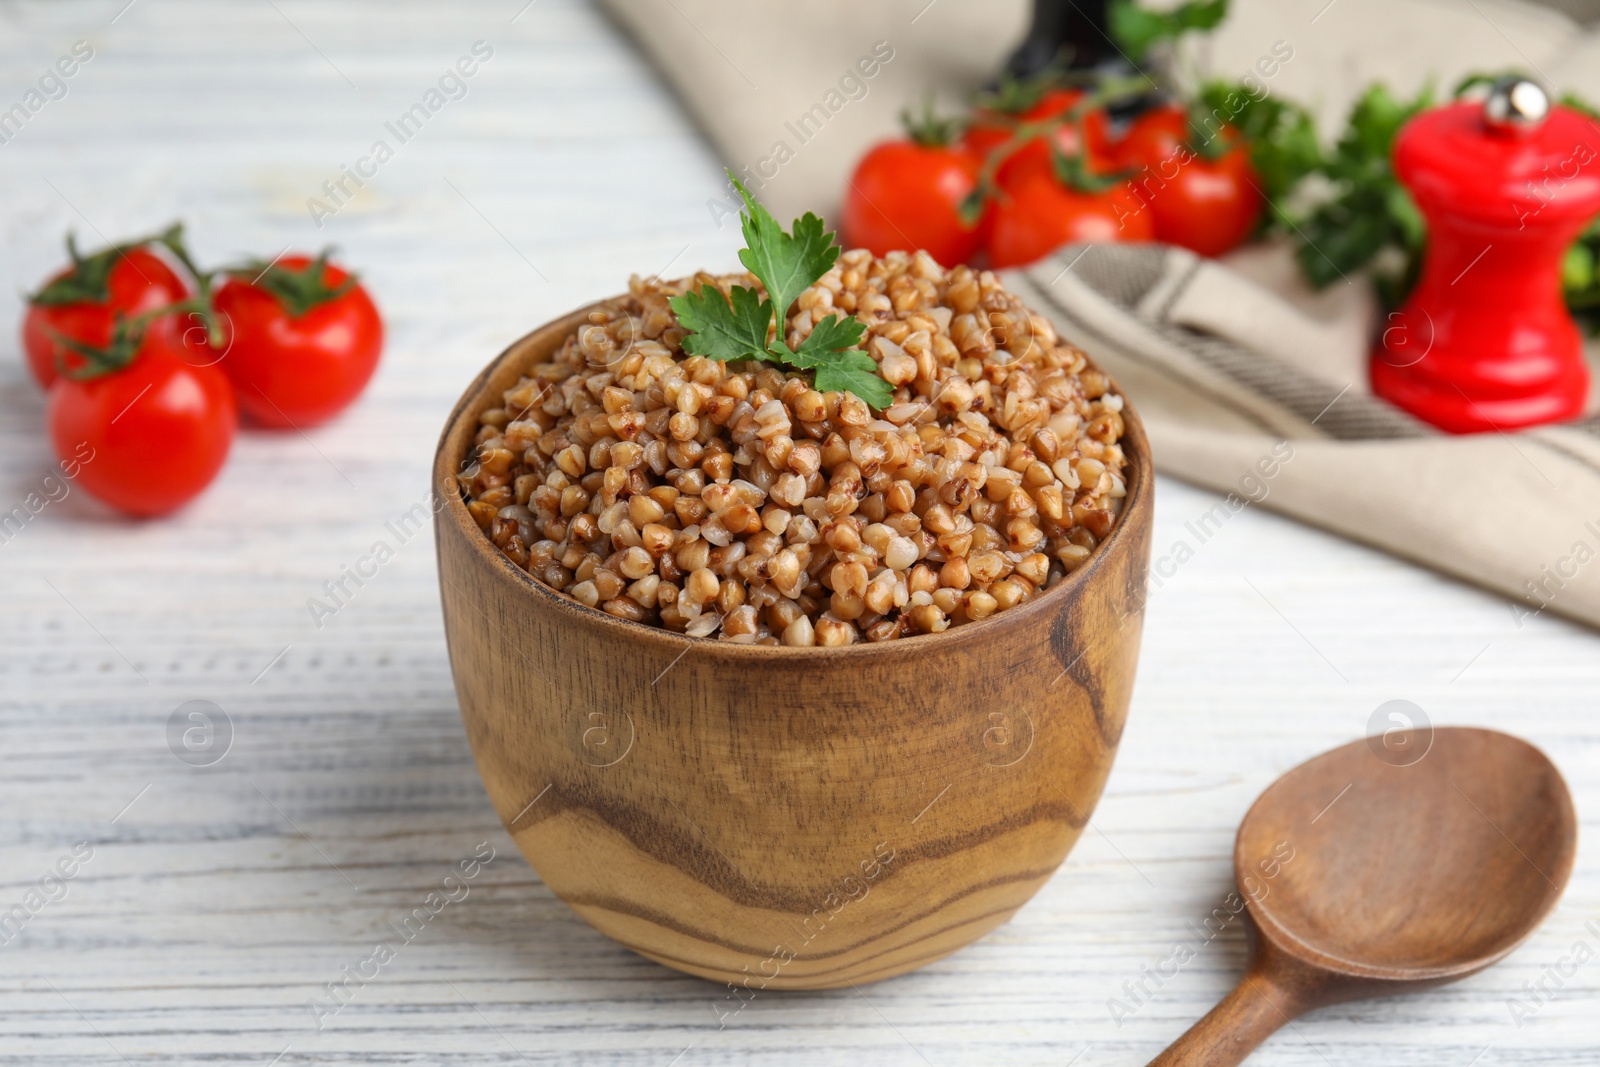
x: 787, y: 817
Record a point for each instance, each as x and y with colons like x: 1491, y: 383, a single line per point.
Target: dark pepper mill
x: 1060, y: 30
x: 1075, y: 33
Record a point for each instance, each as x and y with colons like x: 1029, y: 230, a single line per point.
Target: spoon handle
x: 1232, y: 1030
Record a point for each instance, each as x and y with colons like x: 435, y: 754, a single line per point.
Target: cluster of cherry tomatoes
x: 1038, y: 167
x: 148, y: 360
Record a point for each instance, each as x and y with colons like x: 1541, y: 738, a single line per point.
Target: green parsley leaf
x: 830, y: 350
x: 786, y: 265
x: 1580, y: 279
x: 722, y: 331
x: 1137, y: 29
x: 829, y: 335
x: 1370, y: 220
x: 854, y: 371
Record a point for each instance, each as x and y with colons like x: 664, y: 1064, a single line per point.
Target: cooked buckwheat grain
x: 735, y: 501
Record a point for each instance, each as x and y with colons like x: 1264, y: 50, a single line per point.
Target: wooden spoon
x: 1386, y: 866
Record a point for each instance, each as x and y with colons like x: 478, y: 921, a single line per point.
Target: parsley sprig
x: 741, y: 325
x: 1137, y: 29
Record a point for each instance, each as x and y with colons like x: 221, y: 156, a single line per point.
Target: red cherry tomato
x: 905, y: 195
x: 1036, y: 213
x: 1207, y: 205
x: 991, y: 129
x: 138, y: 281
x: 303, y: 341
x: 149, y: 437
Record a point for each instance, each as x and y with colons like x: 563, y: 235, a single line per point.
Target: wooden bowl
x: 787, y: 818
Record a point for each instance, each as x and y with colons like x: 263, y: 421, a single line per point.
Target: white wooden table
x: 220, y: 900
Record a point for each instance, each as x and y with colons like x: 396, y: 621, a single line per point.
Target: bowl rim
x: 475, y: 400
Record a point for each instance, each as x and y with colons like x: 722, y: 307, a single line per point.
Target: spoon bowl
x: 1387, y: 866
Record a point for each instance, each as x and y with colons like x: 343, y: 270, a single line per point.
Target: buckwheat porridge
x: 733, y: 500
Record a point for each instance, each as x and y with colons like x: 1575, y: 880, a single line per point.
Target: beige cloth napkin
x: 1248, y: 384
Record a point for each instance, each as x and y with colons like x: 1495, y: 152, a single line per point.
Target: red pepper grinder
x: 1485, y: 341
